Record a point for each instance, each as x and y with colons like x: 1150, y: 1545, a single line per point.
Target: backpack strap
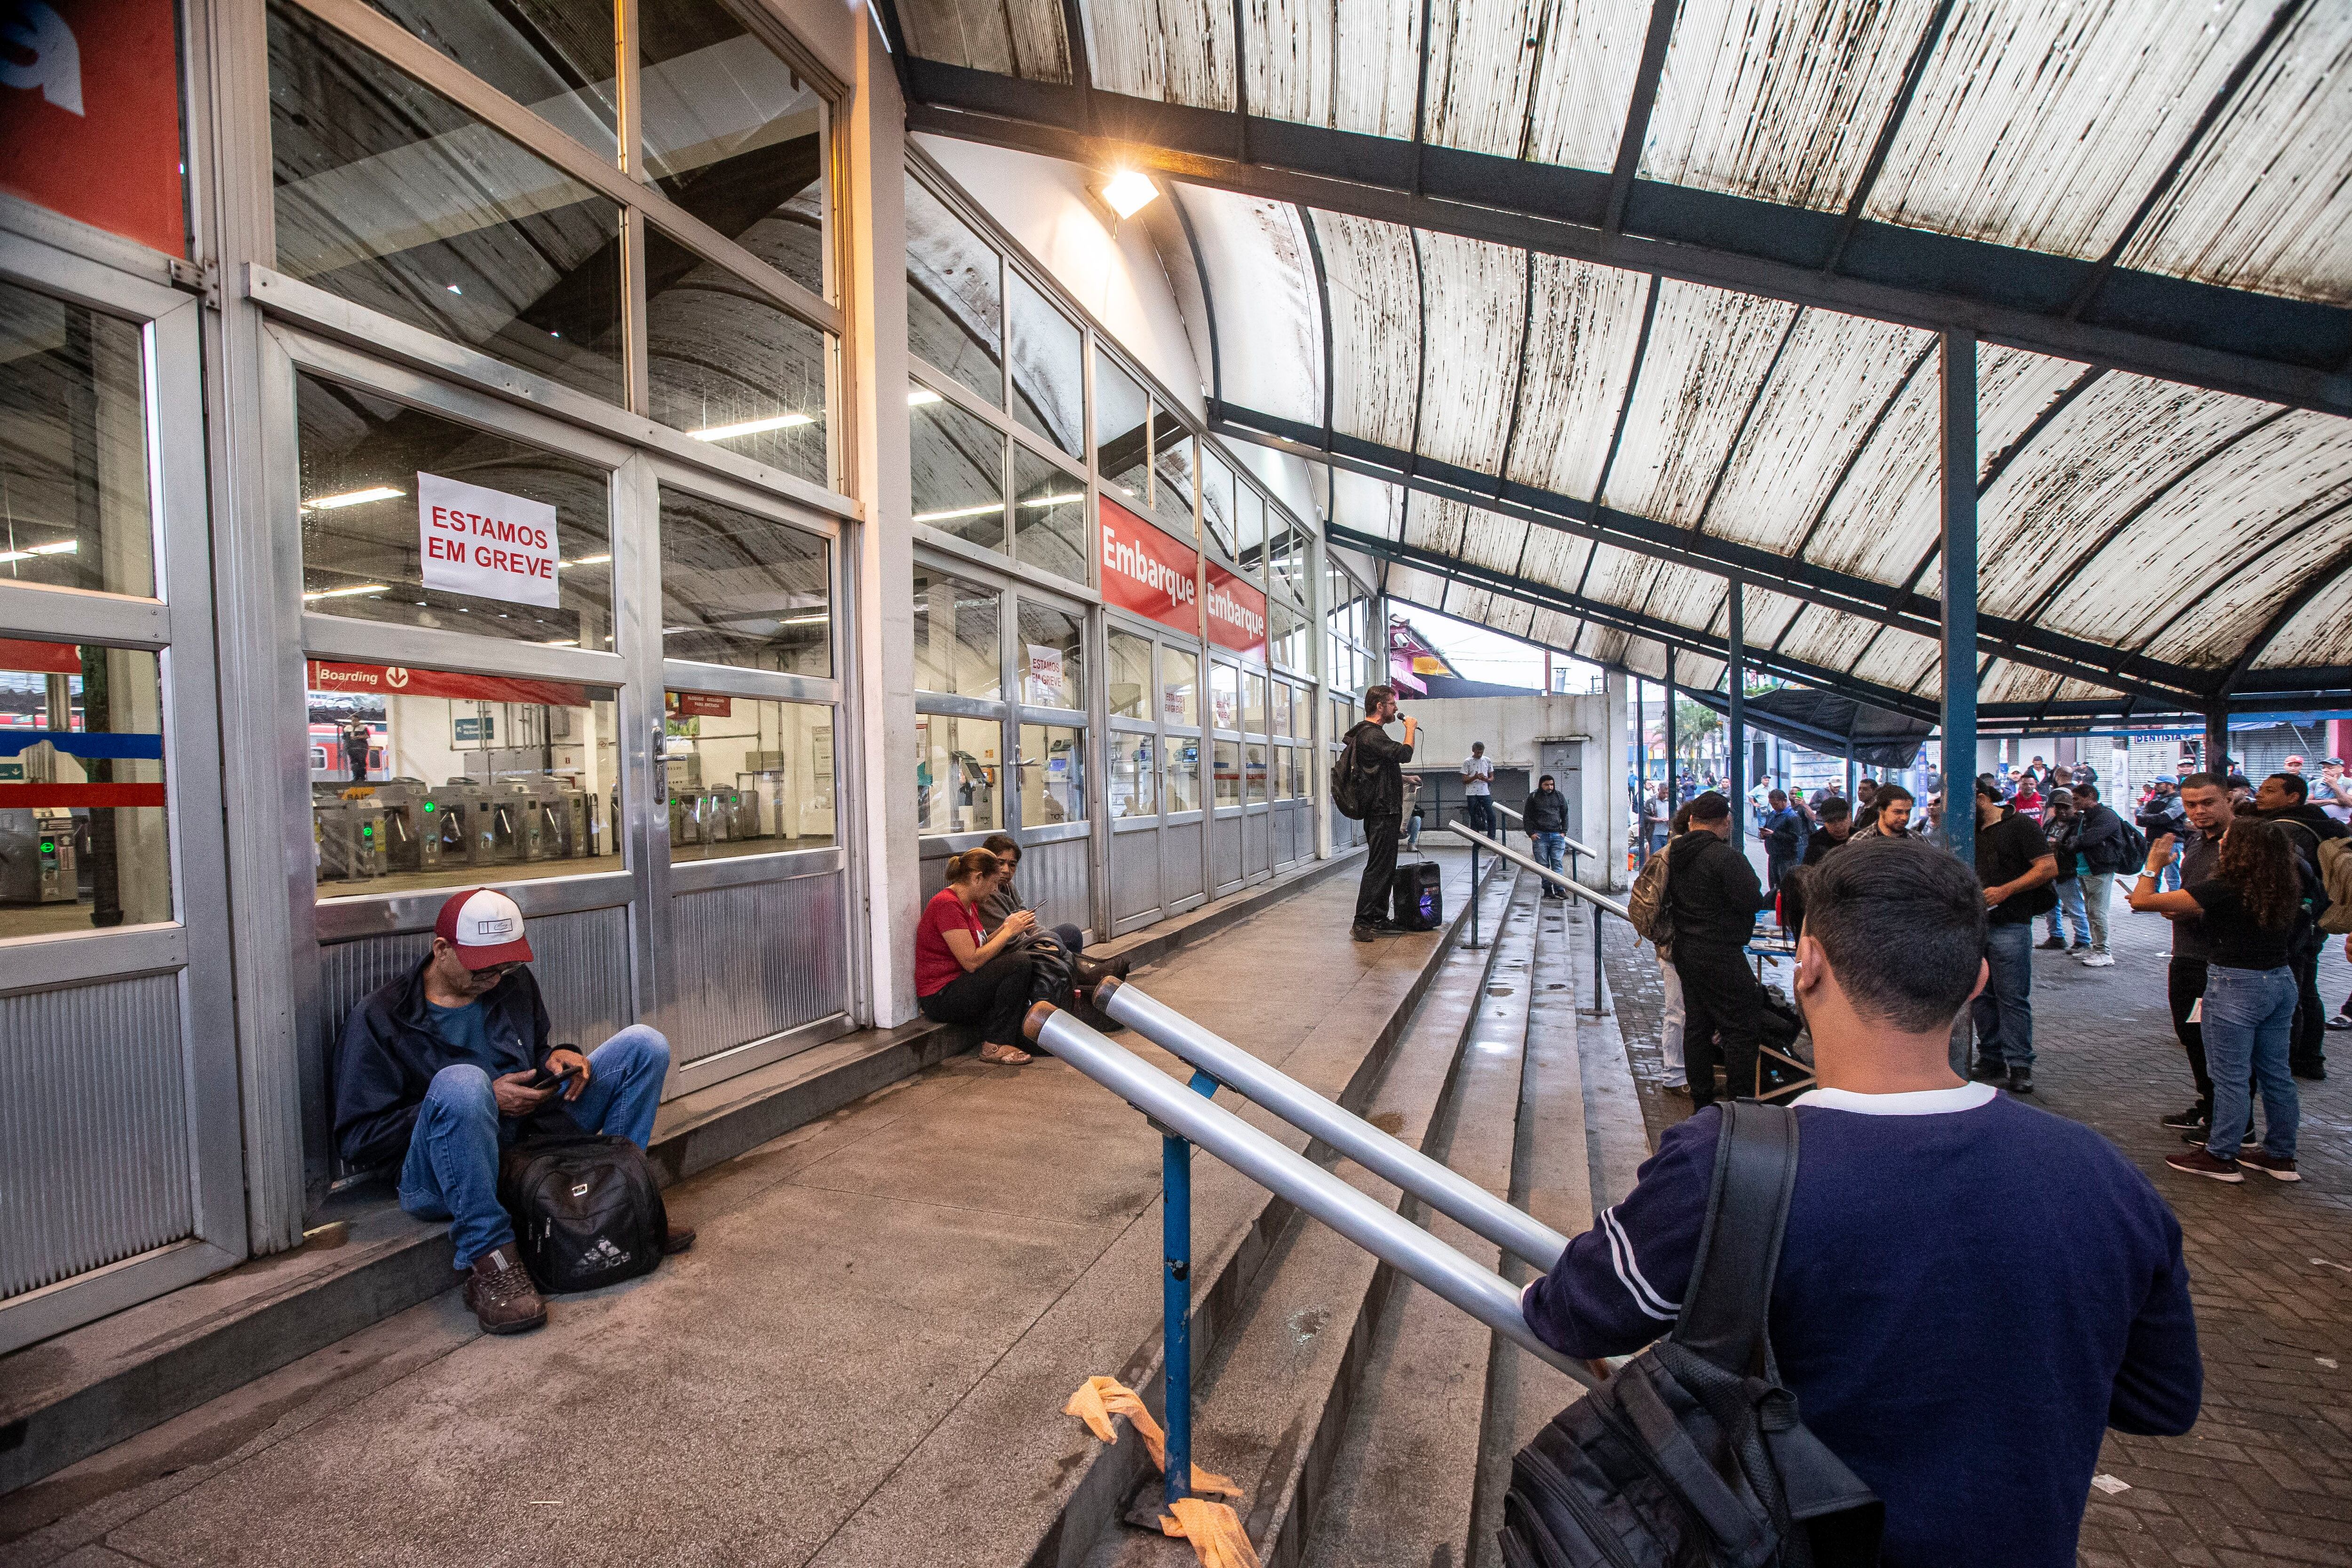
x: 1730, y: 1292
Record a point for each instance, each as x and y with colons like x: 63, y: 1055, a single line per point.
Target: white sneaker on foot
x: 2099, y: 961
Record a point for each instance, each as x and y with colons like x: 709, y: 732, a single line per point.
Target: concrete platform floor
x: 862, y: 1362
x: 2265, y: 1476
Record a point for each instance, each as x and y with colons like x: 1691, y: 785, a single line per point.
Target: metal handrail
x: 1593, y: 896
x: 1379, y: 1230
x: 1513, y: 1229
x: 1514, y: 816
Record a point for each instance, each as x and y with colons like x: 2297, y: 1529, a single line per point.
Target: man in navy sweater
x: 1970, y: 1291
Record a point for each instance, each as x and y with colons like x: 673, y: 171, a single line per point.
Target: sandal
x: 1004, y: 1055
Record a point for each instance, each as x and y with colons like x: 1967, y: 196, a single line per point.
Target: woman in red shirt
x: 965, y: 976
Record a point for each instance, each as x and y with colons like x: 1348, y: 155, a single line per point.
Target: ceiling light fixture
x: 346, y: 593
x: 752, y: 428
x: 1128, y: 191
x: 981, y: 511
x: 1056, y: 501
x: 353, y: 497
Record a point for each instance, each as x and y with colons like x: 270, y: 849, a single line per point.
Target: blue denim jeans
x: 1550, y: 849
x: 452, y: 1170
x: 1478, y: 812
x: 2003, y: 1010
x: 2070, y: 904
x: 2248, y: 1020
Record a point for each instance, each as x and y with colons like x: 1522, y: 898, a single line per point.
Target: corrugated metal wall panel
x: 1134, y: 873
x: 1057, y: 879
x: 94, y: 1163
x: 1269, y: 317
x: 2264, y: 204
x: 1170, y: 51
x: 1547, y: 79
x: 1832, y: 380
x: 1349, y: 65
x: 1581, y: 344
x: 1015, y: 38
x: 2044, y: 126
x: 1375, y: 327
x: 1477, y: 305
x: 1708, y: 350
x: 1226, y: 855
x: 1782, y: 102
x: 2118, y: 444
x: 1257, y: 843
x: 756, y: 960
x: 1180, y: 861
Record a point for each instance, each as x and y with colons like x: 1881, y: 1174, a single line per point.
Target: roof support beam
x: 1856, y: 596
x: 1850, y: 219
x: 1637, y: 110
x: 2229, y: 340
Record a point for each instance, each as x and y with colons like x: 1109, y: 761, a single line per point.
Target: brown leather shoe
x: 677, y: 1238
x: 503, y: 1298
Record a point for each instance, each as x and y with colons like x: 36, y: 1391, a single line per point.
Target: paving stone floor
x: 2265, y: 1477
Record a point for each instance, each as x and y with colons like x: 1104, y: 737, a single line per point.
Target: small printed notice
x: 486, y: 543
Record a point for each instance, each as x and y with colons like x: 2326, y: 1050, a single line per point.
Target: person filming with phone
x: 449, y: 1063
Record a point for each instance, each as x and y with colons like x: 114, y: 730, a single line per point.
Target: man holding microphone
x: 1379, y: 787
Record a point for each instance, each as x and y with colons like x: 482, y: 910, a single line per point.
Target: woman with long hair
x: 2248, y: 908
x: 964, y: 976
x: 1005, y: 900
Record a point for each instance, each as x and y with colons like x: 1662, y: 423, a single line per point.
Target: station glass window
x: 955, y: 649
x: 1128, y: 660
x: 1278, y: 710
x: 1049, y: 393
x: 1132, y: 787
x: 957, y: 468
x: 728, y: 367
x: 1180, y: 687
x: 958, y: 773
x: 1183, y: 773
x: 1052, y: 660
x: 522, y: 535
x: 1249, y: 532
x: 431, y: 778
x: 1253, y: 704
x: 84, y: 826
x: 73, y: 468
x: 1253, y: 765
x: 955, y: 296
x: 1228, y: 756
x: 741, y: 589
x: 731, y: 133
x: 1052, y: 772
x: 554, y: 59
x: 1171, y: 485
x: 1122, y: 434
x: 745, y: 776
x: 1049, y: 516
x: 1217, y: 520
x: 393, y: 198
x: 1224, y: 695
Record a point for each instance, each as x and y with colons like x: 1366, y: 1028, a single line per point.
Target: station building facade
x: 591, y: 452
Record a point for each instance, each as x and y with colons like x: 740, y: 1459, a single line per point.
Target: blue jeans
x: 2249, y: 1018
x: 1550, y: 849
x: 452, y: 1170
x: 2070, y: 904
x: 2003, y: 1012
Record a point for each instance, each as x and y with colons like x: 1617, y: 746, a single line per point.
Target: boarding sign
x: 486, y: 543
x: 1145, y: 572
x: 1236, y: 614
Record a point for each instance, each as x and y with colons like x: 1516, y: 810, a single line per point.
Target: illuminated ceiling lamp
x: 1127, y: 191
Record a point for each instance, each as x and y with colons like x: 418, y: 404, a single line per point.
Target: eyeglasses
x: 497, y: 972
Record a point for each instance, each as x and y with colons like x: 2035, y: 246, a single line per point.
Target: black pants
x: 1380, y: 867
x: 2307, y: 1045
x: 1723, y: 1014
x: 995, y: 996
x: 1478, y: 812
x: 2184, y: 982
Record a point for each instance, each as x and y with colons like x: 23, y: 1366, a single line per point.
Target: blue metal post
x: 1736, y: 688
x: 1176, y: 1298
x: 1958, y: 364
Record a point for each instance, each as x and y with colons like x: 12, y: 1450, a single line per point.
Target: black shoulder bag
x: 1692, y: 1456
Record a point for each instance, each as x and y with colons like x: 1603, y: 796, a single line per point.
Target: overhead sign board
x: 1147, y: 573
x: 486, y: 543
x: 400, y: 680
x: 89, y: 114
x: 1236, y: 614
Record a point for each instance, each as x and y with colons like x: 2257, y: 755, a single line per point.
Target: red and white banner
x: 486, y: 543
x: 41, y: 657
x: 89, y: 114
x: 1236, y: 614
x: 1148, y: 572
x: 399, y: 680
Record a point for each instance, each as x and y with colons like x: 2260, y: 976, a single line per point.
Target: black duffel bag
x: 1693, y: 1455
x: 586, y: 1209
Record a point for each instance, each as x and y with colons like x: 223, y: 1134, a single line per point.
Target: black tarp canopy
x: 1825, y: 722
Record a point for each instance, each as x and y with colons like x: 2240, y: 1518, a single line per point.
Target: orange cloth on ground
x: 1100, y: 1399
x: 1215, y: 1531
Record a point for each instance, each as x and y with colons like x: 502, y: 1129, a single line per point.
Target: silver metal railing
x: 1592, y: 896
x: 1513, y: 1229
x: 1574, y: 847
x: 1181, y: 1113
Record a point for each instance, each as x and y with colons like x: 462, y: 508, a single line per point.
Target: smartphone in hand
x: 558, y: 1081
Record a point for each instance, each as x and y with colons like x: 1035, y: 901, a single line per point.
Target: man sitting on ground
x: 1966, y: 1366
x: 436, y: 1070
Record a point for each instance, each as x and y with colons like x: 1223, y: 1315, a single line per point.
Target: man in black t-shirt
x: 2013, y: 860
x: 1380, y: 790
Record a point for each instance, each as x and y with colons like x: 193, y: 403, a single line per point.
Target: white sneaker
x: 2100, y: 960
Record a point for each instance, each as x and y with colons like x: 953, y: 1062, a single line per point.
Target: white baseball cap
x: 485, y: 927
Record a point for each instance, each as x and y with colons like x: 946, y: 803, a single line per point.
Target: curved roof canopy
x: 1596, y: 306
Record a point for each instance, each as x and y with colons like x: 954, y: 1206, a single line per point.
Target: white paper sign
x: 484, y: 542
x: 1045, y: 677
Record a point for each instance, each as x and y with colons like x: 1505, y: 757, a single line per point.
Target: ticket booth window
x: 745, y: 776
x: 958, y: 773
x: 1053, y: 775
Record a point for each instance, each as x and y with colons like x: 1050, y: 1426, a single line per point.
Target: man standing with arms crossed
x: 1380, y: 789
x: 2012, y: 860
x: 1478, y: 788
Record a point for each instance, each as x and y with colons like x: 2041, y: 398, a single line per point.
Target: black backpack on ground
x: 1416, y: 899
x: 1693, y: 1455
x: 586, y: 1209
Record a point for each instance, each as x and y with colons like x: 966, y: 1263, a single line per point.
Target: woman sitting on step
x: 965, y: 976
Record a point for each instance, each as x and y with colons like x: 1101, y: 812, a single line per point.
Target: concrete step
x: 1274, y: 1400
x: 80, y: 1392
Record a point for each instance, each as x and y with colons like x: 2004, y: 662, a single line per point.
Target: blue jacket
x: 389, y: 1054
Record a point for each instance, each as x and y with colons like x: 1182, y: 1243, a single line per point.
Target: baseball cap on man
x: 485, y: 927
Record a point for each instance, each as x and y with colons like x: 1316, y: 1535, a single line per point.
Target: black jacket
x: 1379, y: 763
x: 1544, y: 812
x: 2322, y: 825
x: 2100, y: 839
x: 2064, y: 836
x: 388, y: 1057
x: 2163, y: 814
x: 1714, y: 891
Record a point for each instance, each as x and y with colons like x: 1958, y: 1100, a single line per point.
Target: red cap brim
x: 515, y: 952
